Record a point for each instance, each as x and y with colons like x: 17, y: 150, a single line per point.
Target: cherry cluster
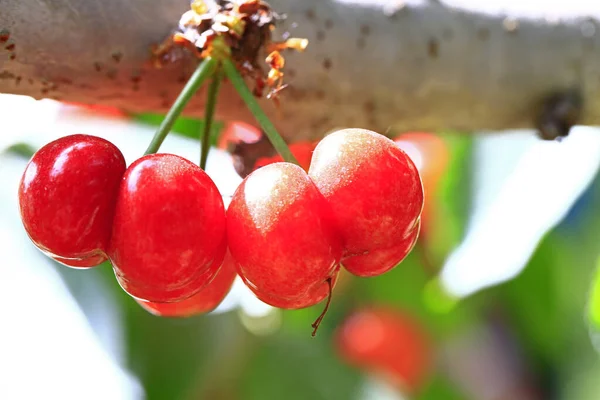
x: 176, y: 249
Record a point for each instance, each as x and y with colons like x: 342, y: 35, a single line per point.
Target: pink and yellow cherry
x: 373, y: 189
x: 285, y: 246
x: 67, y: 198
x: 206, y: 300
x: 169, y: 230
x: 387, y: 342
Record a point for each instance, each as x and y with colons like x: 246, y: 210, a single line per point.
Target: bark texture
x: 384, y: 65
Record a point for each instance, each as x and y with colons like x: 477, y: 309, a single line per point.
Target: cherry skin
x: 284, y: 245
x: 380, y: 261
x: 314, y: 296
x: 387, y: 342
x: 372, y: 186
x: 67, y: 198
x: 202, y: 302
x: 169, y: 231
x: 89, y: 262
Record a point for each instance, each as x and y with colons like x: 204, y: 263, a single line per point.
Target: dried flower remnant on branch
x: 245, y: 30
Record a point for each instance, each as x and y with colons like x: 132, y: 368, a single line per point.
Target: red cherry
x: 310, y: 298
x: 67, y: 198
x: 301, y: 150
x: 388, y: 342
x: 236, y: 132
x: 169, y: 231
x: 284, y: 245
x: 372, y: 186
x: 380, y: 261
x: 202, y: 302
x: 84, y: 263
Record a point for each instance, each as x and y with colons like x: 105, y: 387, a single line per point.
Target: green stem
x: 204, y: 70
x: 276, y: 140
x: 211, y: 102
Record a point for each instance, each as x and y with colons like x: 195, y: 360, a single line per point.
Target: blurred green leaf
x: 184, y: 126
x: 532, y: 301
x: 405, y: 287
x: 452, y: 200
x: 440, y: 388
x: 594, y: 302
x: 24, y: 150
x: 546, y: 302
x: 171, y: 357
x: 295, y: 368
x: 178, y: 358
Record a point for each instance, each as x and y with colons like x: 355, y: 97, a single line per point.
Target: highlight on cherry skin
x: 169, y: 230
x: 374, y: 191
x: 285, y: 246
x: 206, y: 300
x: 67, y: 197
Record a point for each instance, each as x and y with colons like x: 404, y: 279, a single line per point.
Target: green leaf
x: 295, y: 368
x: 594, y: 300
x: 452, y: 200
x: 406, y: 287
x: 533, y: 306
x: 184, y: 126
x: 171, y: 357
x: 440, y: 388
x: 24, y: 150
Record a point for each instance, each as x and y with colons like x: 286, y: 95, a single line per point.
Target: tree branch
x: 422, y: 65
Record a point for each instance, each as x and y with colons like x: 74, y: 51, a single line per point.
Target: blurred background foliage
x: 531, y: 337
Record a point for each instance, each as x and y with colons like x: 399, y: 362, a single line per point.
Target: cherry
x: 251, y: 149
x: 388, y: 342
x: 83, y: 263
x: 373, y: 188
x: 238, y: 132
x: 169, y: 230
x: 380, y: 261
x: 285, y: 247
x: 67, y: 198
x: 309, y: 299
x: 202, y: 302
x: 301, y: 150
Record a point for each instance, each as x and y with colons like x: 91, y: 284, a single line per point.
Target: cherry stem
x: 211, y: 102
x: 204, y: 70
x: 315, y: 325
x: 248, y: 97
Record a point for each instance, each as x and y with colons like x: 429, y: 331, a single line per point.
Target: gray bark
x: 382, y: 65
